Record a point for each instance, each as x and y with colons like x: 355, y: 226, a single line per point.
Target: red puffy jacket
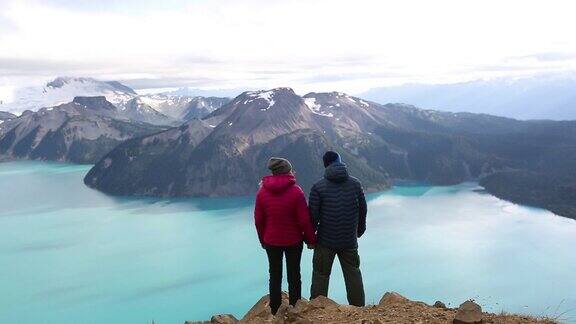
x: 281, y: 213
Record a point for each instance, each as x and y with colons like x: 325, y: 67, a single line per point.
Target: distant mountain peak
x: 329, y: 103
x: 279, y: 90
x: 264, y: 99
x: 61, y: 81
x: 121, y: 87
x: 63, y: 90
x: 270, y: 92
x: 543, y: 96
x: 335, y: 95
x: 266, y: 95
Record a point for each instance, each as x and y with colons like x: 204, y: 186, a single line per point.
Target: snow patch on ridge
x: 151, y: 101
x: 316, y: 108
x: 264, y: 95
x: 144, y: 108
x: 159, y: 101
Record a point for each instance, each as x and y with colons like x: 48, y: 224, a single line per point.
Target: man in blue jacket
x: 338, y: 210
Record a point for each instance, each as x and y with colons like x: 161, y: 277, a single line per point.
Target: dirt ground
x: 392, y: 308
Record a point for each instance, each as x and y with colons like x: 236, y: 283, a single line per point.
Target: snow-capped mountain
x: 160, y: 109
x: 182, y: 107
x: 138, y: 109
x: 168, y: 105
x: 63, y: 90
x: 195, y: 92
x: 200, y: 107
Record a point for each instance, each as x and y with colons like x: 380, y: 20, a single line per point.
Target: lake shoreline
x: 72, y: 254
x: 487, y: 187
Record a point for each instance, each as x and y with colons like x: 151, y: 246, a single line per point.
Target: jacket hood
x: 278, y: 183
x: 336, y: 172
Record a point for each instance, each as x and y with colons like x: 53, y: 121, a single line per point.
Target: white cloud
x: 304, y: 44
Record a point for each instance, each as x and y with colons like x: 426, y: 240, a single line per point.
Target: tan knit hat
x: 279, y: 165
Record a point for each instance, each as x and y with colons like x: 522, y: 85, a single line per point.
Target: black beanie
x: 330, y: 157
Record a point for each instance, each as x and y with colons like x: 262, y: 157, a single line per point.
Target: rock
x: 223, y: 319
x: 323, y: 302
x: 281, y: 313
x: 390, y: 298
x: 301, y: 306
x: 440, y: 304
x: 468, y: 313
x: 261, y: 309
x: 295, y: 315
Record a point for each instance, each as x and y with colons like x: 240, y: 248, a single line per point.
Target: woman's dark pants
x: 293, y: 256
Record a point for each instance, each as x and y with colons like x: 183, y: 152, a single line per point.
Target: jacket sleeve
x: 259, y: 217
x: 304, y: 220
x: 314, y: 205
x: 363, y: 209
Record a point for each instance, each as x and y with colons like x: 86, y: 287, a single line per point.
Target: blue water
x: 69, y: 254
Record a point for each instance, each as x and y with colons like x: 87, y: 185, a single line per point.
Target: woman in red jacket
x: 283, y: 223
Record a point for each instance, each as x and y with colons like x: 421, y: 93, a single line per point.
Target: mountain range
x: 175, y: 145
x: 545, y: 96
x: 196, y: 92
x: 81, y: 131
x: 98, y: 116
x: 159, y: 109
x: 225, y: 152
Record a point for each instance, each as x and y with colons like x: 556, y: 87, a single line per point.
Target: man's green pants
x: 350, y: 263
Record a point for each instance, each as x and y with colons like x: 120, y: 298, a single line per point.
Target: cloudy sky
x: 317, y: 45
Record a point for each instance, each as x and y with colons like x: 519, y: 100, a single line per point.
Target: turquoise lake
x: 69, y: 254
